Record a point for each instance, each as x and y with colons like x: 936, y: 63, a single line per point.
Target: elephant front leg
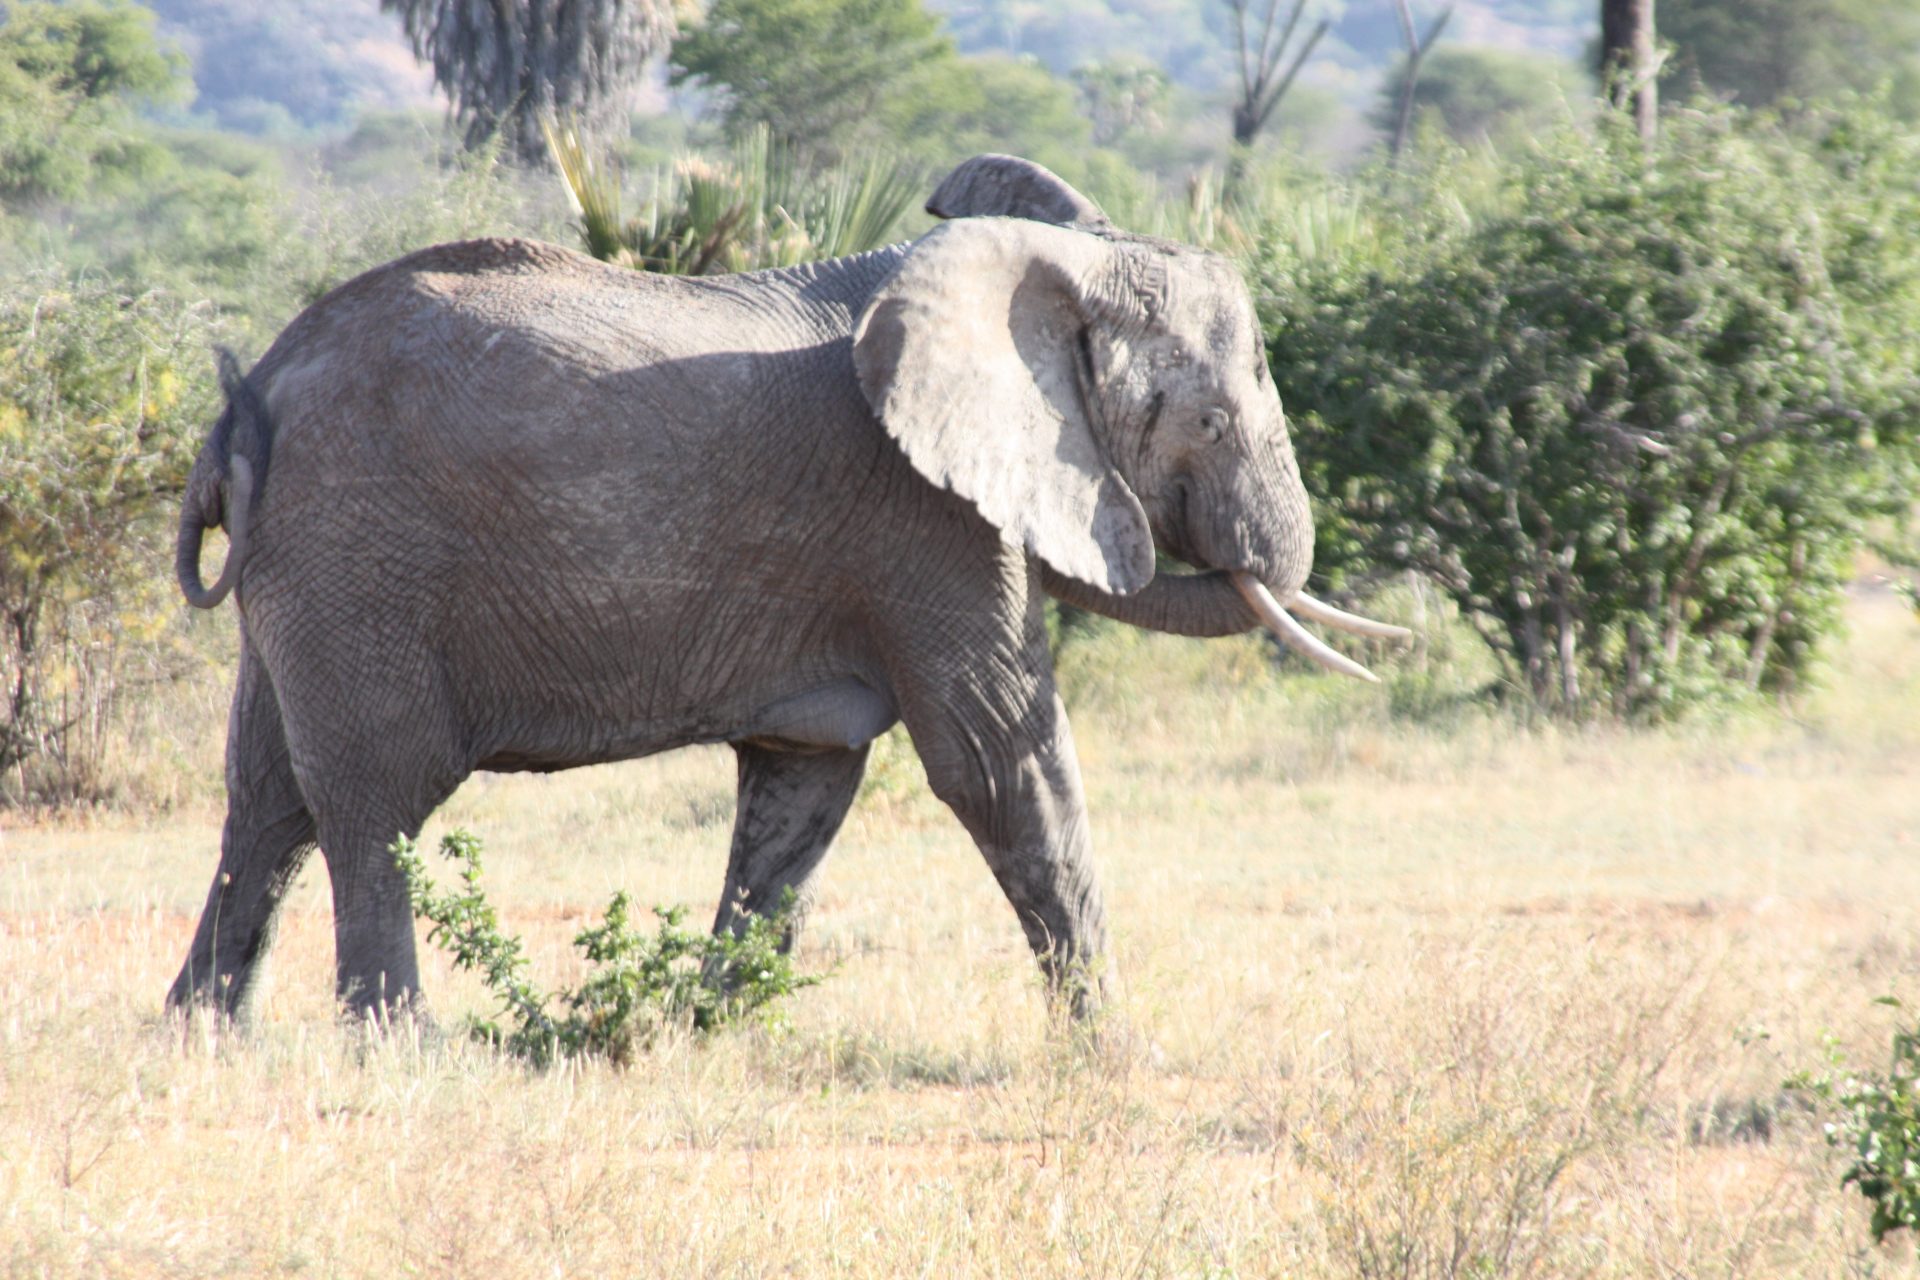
x: 791, y: 805
x: 1010, y: 774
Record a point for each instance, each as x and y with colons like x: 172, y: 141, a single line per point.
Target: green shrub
x: 104, y: 395
x: 1636, y: 416
x: 639, y: 983
x: 1878, y: 1118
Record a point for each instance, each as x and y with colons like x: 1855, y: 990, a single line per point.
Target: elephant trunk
x: 1200, y: 604
x: 1219, y: 603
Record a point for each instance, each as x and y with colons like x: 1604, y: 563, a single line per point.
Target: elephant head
x: 1096, y: 395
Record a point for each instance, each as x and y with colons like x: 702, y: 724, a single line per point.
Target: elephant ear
x: 996, y: 186
x: 975, y: 356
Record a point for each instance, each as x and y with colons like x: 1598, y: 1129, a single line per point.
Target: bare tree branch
x: 1416, y: 54
x: 1263, y: 83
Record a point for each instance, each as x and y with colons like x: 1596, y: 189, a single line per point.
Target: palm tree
x: 507, y: 64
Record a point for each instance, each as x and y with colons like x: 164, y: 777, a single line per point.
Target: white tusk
x: 1339, y: 619
x: 1292, y: 634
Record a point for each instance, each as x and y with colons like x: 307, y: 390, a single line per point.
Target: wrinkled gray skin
x: 513, y: 509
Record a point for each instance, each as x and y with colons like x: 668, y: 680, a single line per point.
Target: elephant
x: 499, y: 506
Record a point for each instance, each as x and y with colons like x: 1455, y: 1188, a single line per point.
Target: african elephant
x: 499, y: 506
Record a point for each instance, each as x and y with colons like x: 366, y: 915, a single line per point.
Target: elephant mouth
x: 1296, y: 637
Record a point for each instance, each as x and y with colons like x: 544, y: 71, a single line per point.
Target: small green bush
x: 639, y: 984
x: 1878, y: 1118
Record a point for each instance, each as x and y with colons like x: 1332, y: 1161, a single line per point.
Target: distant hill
x: 264, y: 67
x: 1191, y: 39
x: 293, y: 64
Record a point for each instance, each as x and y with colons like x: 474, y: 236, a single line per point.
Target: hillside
x: 294, y: 64
x: 317, y: 63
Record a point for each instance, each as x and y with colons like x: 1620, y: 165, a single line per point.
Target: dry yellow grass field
x: 1434, y: 997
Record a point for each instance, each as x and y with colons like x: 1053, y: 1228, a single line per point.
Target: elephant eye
x: 1213, y: 425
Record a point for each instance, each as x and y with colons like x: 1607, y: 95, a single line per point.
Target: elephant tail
x: 240, y: 432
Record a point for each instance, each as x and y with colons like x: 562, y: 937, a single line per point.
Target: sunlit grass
x: 1430, y: 997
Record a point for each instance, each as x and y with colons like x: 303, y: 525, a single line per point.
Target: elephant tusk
x: 1292, y: 634
x: 1339, y: 619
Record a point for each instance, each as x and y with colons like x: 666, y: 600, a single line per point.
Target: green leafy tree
x: 92, y: 183
x: 508, y: 65
x: 1122, y: 96
x: 70, y: 77
x: 104, y: 396
x: 812, y: 72
x: 1478, y: 94
x: 1762, y: 51
x: 1636, y: 421
x: 958, y: 107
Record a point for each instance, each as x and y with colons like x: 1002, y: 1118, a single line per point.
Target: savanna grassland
x: 1403, y: 992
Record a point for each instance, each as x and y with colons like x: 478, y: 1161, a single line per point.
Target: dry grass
x: 1438, y: 999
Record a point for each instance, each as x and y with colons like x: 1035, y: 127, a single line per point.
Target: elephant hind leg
x: 374, y: 763
x: 376, y: 963
x: 791, y: 805
x: 268, y: 835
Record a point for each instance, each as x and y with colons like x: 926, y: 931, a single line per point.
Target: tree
x: 1478, y: 94
x: 1259, y: 57
x: 103, y: 399
x: 957, y: 107
x: 1417, y: 49
x: 1760, y: 51
x: 1638, y: 422
x: 507, y: 65
x: 69, y: 77
x: 1121, y: 96
x: 1629, y: 65
x: 810, y: 71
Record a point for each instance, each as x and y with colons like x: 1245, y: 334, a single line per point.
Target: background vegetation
x: 1498, y: 972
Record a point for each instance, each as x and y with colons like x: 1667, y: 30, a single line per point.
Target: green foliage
x: 1635, y: 419
x: 1766, y: 51
x: 755, y: 208
x: 1122, y: 96
x: 103, y: 398
x: 69, y: 74
x: 1878, y: 1119
x: 828, y: 79
x: 958, y: 107
x: 1478, y: 95
x: 639, y: 983
x: 104, y: 189
x: 343, y: 231
x: 811, y: 72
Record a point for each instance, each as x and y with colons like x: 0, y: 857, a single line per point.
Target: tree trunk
x: 1628, y: 64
